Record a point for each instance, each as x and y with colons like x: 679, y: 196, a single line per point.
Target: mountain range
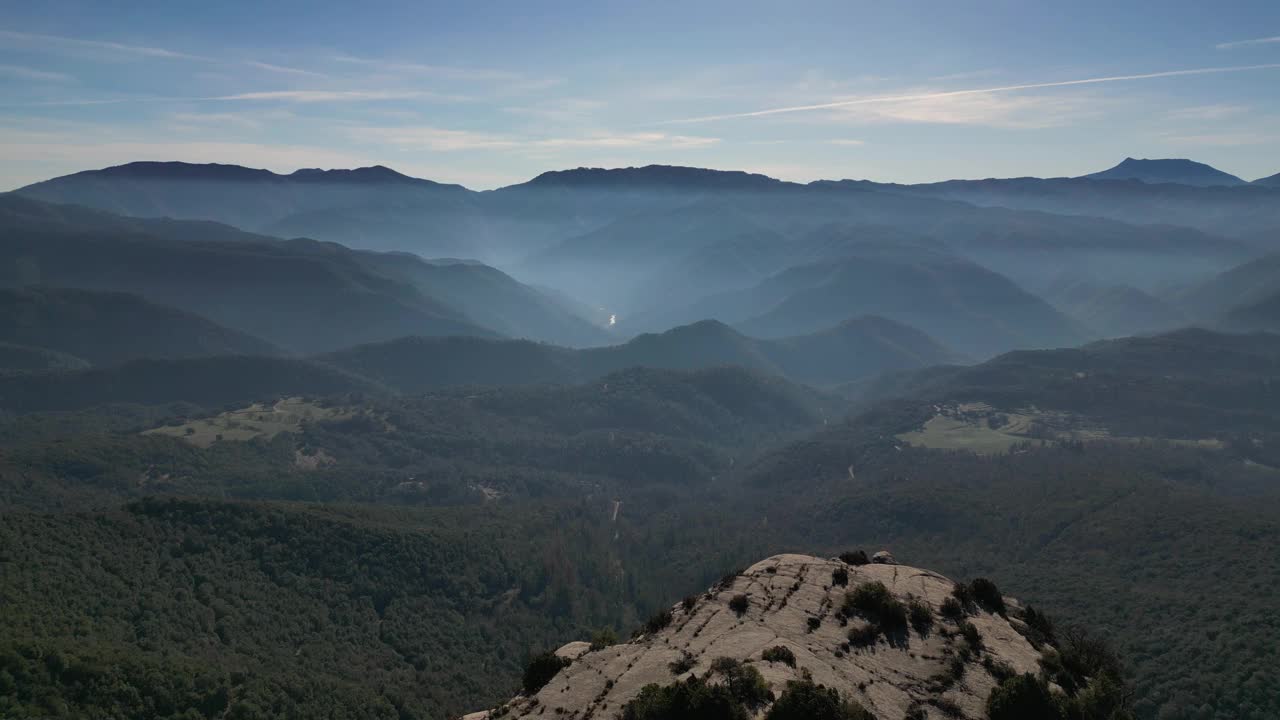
x: 1181, y: 172
x: 855, y: 349
x: 302, y: 295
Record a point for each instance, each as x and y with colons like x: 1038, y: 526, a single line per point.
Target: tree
x: 802, y: 700
x: 1023, y: 697
x: 540, y: 670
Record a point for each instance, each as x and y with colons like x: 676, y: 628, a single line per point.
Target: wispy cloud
x: 1246, y: 43
x: 989, y: 110
x: 310, y: 96
x: 846, y: 142
x: 245, y: 120
x: 61, y: 43
x: 561, y: 110
x: 284, y: 69
x: 26, y: 73
x: 1208, y: 112
x: 446, y: 71
x: 446, y: 140
x: 287, y: 96
x: 976, y: 91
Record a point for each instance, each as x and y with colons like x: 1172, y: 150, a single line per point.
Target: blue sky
x: 490, y: 93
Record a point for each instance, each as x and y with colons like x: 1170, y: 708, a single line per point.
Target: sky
x: 492, y: 93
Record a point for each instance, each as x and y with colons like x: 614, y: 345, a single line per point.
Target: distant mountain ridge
x: 856, y: 348
x: 962, y: 304
x: 302, y: 295
x: 106, y: 328
x: 219, y: 171
x: 658, y: 175
x: 1185, y: 172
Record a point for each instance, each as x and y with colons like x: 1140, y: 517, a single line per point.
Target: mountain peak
x: 180, y: 171
x: 1167, y: 170
x: 173, y: 170
x: 1269, y: 181
x: 870, y: 633
x: 655, y: 176
x: 373, y: 175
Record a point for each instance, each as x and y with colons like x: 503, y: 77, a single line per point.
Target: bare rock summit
x: 898, y: 641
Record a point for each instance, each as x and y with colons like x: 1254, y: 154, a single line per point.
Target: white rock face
x: 785, y: 592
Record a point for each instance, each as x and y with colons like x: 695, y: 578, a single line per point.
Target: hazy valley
x: 350, y: 443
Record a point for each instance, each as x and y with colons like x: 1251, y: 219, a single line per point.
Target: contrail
x: 1247, y: 43
x: 979, y: 91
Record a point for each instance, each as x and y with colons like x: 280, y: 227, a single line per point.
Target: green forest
x: 403, y: 556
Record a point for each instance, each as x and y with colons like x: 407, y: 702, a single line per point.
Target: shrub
x: 802, y: 700
x: 987, y: 595
x: 855, y: 557
x: 739, y: 604
x: 814, y: 623
x: 999, y: 670
x: 952, y: 610
x: 963, y: 595
x: 893, y: 616
x: 779, y: 653
x: 866, y: 599
x: 864, y: 635
x: 540, y: 670
x: 874, y: 601
x: 1105, y: 697
x: 1086, y: 655
x: 921, y: 616
x: 603, y: 638
x: 725, y: 665
x: 689, y: 602
x: 687, y: 700
x: 1039, y: 628
x: 744, y: 682
x: 1023, y: 697
x: 727, y: 581
x: 659, y: 621
x: 840, y: 576
x: 971, y: 636
x: 683, y: 665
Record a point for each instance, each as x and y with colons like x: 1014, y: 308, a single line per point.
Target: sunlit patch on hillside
x: 985, y: 430
x: 256, y: 421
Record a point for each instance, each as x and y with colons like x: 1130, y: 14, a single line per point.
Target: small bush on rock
x: 921, y: 616
x: 840, y: 576
x: 603, y: 638
x: 540, y: 670
x: 864, y: 635
x: 874, y: 601
x: 692, y: 699
x: 952, y: 610
x: 744, y: 682
x: 971, y: 636
x: 1023, y: 697
x: 779, y: 653
x: 739, y: 604
x: 659, y: 621
x: 987, y: 595
x: 855, y: 557
x: 683, y: 665
x: 802, y: 700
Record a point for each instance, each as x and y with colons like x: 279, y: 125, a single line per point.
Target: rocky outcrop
x: 906, y: 663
